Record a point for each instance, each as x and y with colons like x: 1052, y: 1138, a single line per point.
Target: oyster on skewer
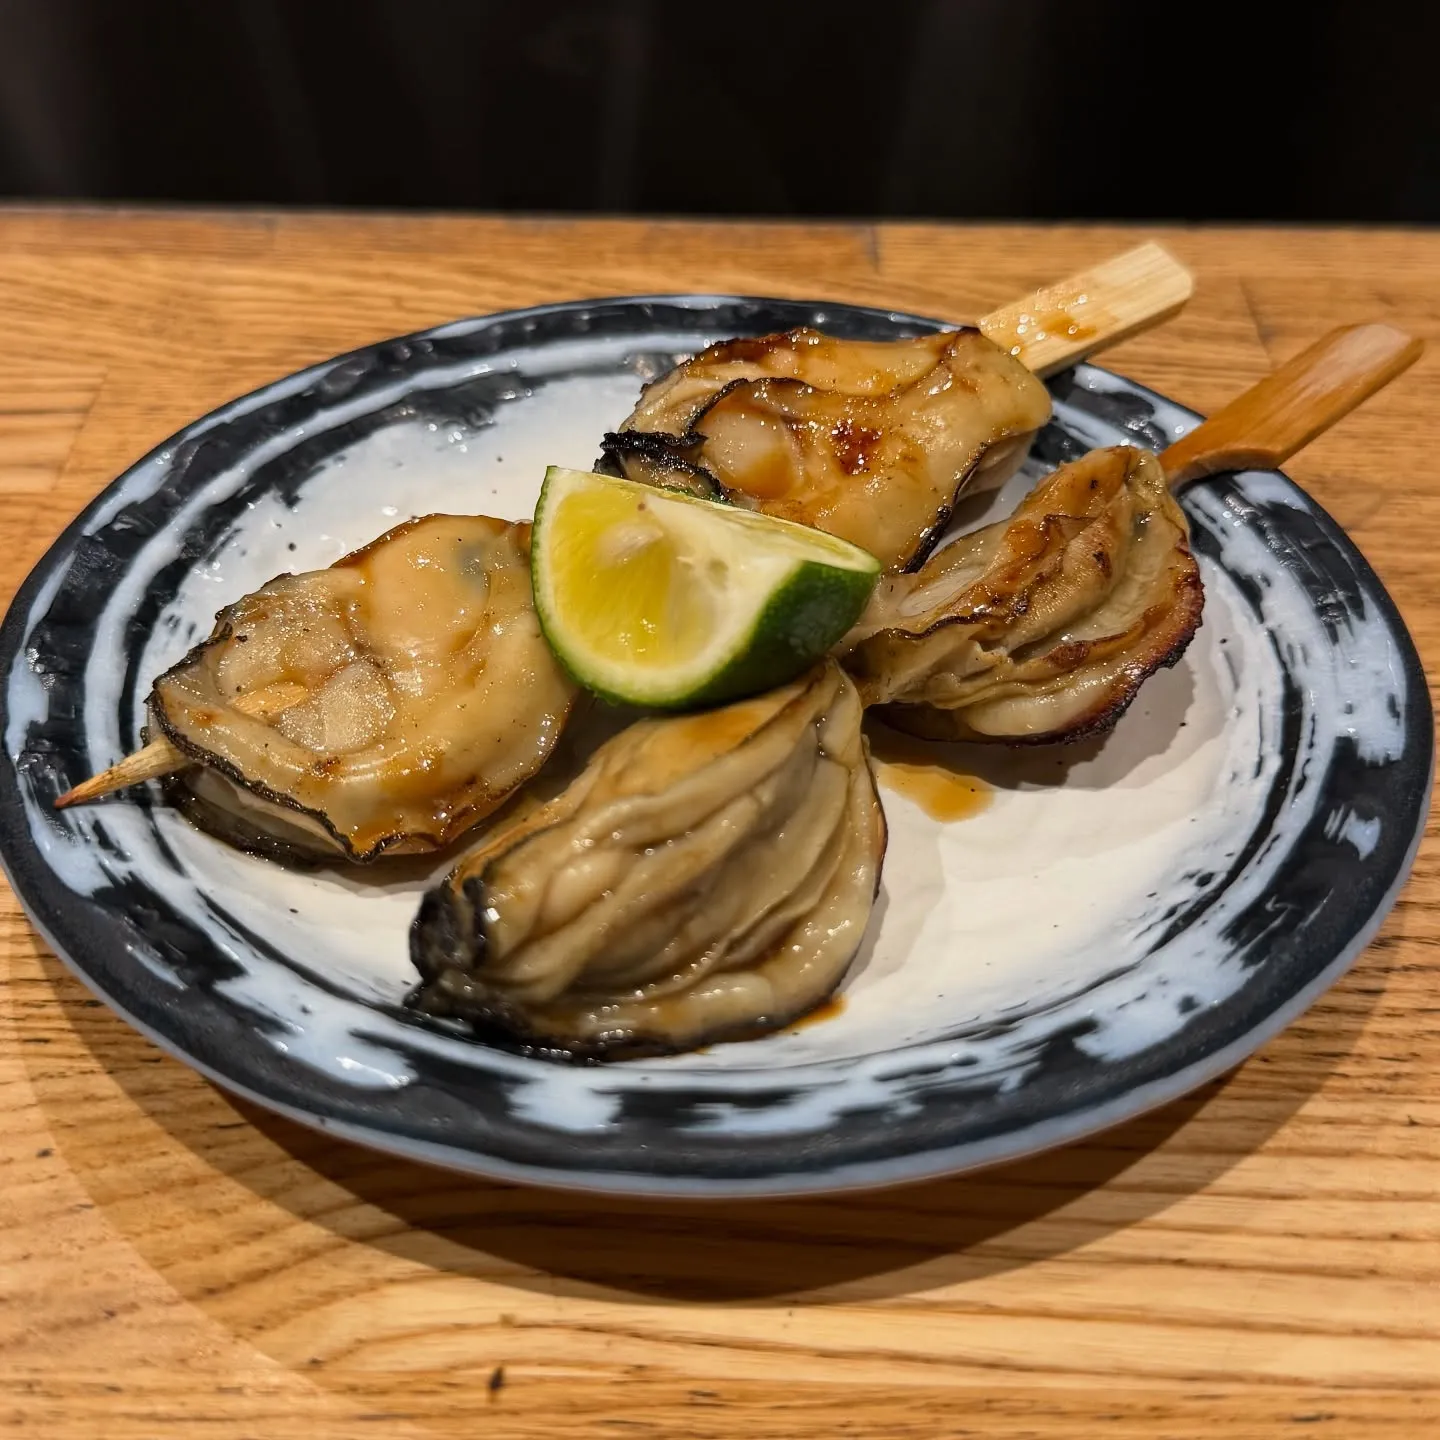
x: 380, y: 706
x: 706, y: 877
x: 875, y: 440
x: 1044, y: 627
x: 872, y: 441
x: 1041, y: 627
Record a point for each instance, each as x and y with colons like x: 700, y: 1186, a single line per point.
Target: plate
x: 1117, y: 923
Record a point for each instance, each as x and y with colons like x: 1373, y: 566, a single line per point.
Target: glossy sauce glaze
x: 871, y: 442
x: 826, y: 1010
x: 1061, y: 316
x: 926, y: 775
x: 940, y: 793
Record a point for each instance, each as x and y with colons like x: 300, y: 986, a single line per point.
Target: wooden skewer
x: 1271, y: 421
x: 160, y: 757
x: 1064, y: 323
x: 1045, y: 331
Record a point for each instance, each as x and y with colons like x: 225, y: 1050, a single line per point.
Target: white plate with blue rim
x: 1117, y: 923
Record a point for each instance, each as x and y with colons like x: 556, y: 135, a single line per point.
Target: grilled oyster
x: 706, y: 877
x: 1042, y: 627
x: 417, y: 691
x: 872, y: 441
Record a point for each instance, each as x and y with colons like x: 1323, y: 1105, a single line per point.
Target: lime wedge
x: 657, y: 598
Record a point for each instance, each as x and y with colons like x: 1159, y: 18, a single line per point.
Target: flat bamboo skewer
x: 1284, y: 412
x: 1099, y: 307
x: 160, y: 757
x: 1046, y: 331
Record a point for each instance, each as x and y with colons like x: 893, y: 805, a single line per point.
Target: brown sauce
x: 723, y: 729
x: 920, y: 772
x: 826, y: 1010
x: 854, y: 445
x: 1067, y: 320
x: 941, y: 793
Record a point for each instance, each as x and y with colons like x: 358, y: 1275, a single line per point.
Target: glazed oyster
x: 381, y: 706
x: 706, y: 877
x: 871, y: 441
x: 1041, y: 627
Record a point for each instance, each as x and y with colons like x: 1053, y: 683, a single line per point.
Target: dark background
x: 963, y: 108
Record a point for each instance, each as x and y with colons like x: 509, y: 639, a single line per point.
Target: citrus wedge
x: 657, y: 598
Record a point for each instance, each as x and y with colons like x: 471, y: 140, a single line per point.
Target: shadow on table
x: 860, y: 1246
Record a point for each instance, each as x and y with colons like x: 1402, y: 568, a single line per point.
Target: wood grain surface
x: 1260, y: 1259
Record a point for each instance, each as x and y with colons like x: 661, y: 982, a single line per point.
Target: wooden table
x: 1262, y: 1258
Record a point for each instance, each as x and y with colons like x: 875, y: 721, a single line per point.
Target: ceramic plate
x: 1119, y: 921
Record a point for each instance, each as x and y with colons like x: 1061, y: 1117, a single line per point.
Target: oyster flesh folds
x: 426, y: 695
x: 1041, y: 627
x: 705, y: 877
x: 873, y: 441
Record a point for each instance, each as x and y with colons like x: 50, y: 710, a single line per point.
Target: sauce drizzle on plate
x: 942, y: 793
x: 917, y: 769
